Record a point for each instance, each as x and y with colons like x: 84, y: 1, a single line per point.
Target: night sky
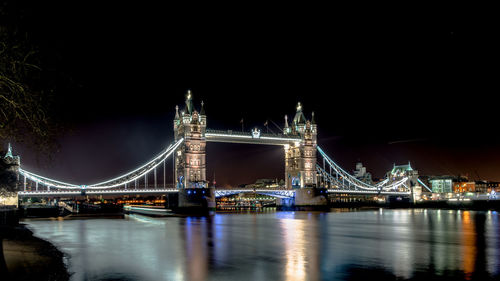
x: 384, y: 90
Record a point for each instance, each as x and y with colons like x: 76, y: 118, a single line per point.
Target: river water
x: 378, y: 244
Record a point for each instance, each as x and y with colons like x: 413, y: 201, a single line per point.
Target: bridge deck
x: 219, y: 192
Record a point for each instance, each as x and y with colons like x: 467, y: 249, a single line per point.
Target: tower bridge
x: 310, y: 174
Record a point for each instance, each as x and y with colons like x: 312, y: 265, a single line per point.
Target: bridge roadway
x: 280, y: 193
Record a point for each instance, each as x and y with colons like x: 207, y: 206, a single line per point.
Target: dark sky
x: 384, y: 89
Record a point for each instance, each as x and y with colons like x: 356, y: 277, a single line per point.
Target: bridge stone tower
x: 190, y: 157
x: 190, y: 160
x: 300, y: 158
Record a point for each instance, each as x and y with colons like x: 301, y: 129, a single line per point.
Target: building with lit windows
x: 441, y: 184
x: 481, y: 187
x: 464, y: 186
x: 493, y: 186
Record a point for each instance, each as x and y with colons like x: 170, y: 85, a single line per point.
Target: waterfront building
x: 493, y: 186
x: 481, y: 186
x: 441, y: 184
x: 464, y: 186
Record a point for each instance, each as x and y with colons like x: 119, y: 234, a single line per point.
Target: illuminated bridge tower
x: 300, y: 158
x: 190, y: 158
x: 300, y: 163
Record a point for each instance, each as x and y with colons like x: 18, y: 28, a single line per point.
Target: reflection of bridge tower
x: 190, y: 166
x: 300, y: 158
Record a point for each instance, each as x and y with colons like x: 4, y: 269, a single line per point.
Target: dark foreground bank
x: 25, y: 257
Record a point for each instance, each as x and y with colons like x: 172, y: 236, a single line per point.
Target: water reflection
x: 294, y: 238
x: 493, y: 243
x: 195, y: 244
x: 388, y: 244
x: 468, y: 246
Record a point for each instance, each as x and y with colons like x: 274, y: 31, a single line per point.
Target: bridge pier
x: 196, y: 200
x: 305, y: 198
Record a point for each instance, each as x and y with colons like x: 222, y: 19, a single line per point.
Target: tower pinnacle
x: 177, y: 112
x: 202, y: 111
x: 9, y: 152
x: 189, y: 102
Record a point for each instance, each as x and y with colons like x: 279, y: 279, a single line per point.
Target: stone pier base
x: 196, y: 200
x: 305, y: 199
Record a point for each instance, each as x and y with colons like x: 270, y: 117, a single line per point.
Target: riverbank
x: 26, y: 257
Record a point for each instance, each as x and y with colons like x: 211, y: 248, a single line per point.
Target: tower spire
x: 299, y: 116
x: 9, y: 152
x: 189, y: 102
x: 177, y: 112
x: 202, y: 111
x: 312, y: 118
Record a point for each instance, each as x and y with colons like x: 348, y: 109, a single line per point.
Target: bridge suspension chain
x: 351, y: 180
x: 122, y: 180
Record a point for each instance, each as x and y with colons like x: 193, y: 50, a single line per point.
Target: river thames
x: 377, y: 244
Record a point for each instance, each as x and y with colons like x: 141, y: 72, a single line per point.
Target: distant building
x: 493, y: 186
x: 451, y: 184
x: 407, y: 173
x: 481, y: 186
x: 361, y: 174
x: 401, y: 171
x: 461, y: 184
x: 265, y: 183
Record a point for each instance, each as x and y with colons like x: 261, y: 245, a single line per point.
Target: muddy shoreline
x: 26, y: 257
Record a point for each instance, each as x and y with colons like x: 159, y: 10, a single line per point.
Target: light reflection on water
x: 339, y: 245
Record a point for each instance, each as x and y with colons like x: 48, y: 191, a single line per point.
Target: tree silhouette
x: 27, y: 87
x: 21, y: 103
